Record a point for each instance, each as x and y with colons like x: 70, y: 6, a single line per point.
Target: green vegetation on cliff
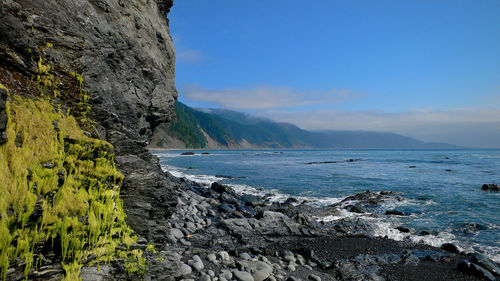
x: 59, y: 188
x: 235, y: 129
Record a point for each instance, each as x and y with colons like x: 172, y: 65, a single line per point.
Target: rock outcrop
x: 123, y: 51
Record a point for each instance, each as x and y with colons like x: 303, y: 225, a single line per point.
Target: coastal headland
x: 83, y: 84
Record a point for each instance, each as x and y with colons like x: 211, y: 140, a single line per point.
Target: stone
x: 245, y: 256
x: 313, y: 277
x: 204, y: 277
x: 290, y: 258
x: 481, y: 272
x: 449, y: 247
x: 395, y: 213
x: 357, y: 209
x: 196, y: 263
x: 212, y: 258
x: 490, y: 187
x: 185, y: 269
x: 242, y: 275
x: 403, y: 229
x: 261, y: 275
x: 485, y: 262
x: 226, y: 275
x: 224, y: 256
x: 220, y: 188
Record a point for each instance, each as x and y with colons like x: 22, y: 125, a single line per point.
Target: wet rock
x: 471, y: 227
x: 357, y: 209
x: 252, y: 200
x: 226, y: 208
x: 220, y: 188
x: 468, y: 267
x: 291, y: 200
x: 188, y: 153
x: 394, y: 213
x: 485, y: 262
x: 403, y: 229
x: 449, y: 247
x: 490, y: 187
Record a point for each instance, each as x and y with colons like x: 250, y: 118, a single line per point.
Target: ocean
x: 441, y: 189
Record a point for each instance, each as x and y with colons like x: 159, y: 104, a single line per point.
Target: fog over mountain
x: 220, y: 128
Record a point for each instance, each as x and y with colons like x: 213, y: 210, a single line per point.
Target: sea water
x: 441, y: 188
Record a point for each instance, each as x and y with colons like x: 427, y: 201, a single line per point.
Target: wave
x: 381, y: 226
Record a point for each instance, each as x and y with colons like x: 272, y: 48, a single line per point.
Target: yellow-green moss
x: 49, y: 164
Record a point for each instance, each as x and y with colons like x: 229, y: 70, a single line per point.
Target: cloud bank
x: 266, y: 97
x: 469, y: 127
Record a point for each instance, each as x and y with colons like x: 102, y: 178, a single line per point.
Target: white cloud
x: 266, y: 97
x: 189, y: 56
x: 474, y: 127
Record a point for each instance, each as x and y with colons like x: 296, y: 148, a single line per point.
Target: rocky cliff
x: 121, y: 54
x: 123, y: 51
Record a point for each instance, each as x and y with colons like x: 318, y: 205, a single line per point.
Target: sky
x: 426, y: 69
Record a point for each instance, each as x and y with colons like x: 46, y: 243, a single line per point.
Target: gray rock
x: 212, y: 258
x: 242, y: 275
x: 226, y: 275
x: 245, y: 256
x: 224, y: 256
x: 261, y: 275
x: 313, y: 277
x: 185, y: 269
x: 290, y: 258
x: 204, y: 277
x: 259, y: 269
x: 94, y: 274
x: 196, y: 263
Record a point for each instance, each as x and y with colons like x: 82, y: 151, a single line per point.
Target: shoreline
x: 283, y: 241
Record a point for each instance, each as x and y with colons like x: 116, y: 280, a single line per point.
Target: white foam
x: 202, y: 179
x: 382, y: 227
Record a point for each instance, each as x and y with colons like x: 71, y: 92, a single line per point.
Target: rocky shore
x: 114, y: 61
x: 216, y: 234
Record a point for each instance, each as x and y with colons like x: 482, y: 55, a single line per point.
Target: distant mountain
x: 217, y: 128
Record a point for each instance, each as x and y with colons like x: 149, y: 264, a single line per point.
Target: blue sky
x: 427, y: 69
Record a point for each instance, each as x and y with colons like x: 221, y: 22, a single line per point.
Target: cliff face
x: 122, y: 49
x: 124, y: 53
